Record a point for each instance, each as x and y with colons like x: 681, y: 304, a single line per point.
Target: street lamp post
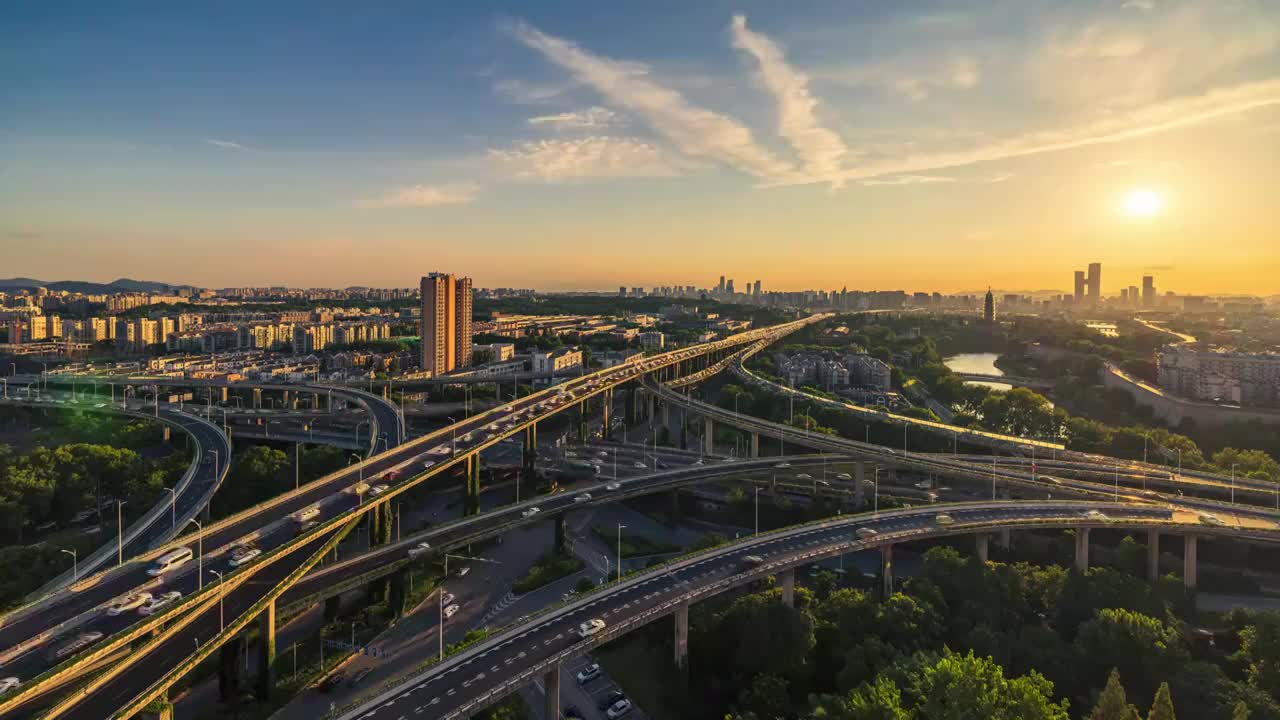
x: 75, y: 564
x: 173, y: 507
x: 757, y: 510
x: 620, y: 526
x: 221, y: 625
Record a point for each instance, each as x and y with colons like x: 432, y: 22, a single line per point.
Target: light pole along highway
x: 132, y: 679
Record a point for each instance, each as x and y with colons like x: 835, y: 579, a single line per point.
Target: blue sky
x: 587, y: 145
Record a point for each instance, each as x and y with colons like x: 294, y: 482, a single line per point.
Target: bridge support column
x: 606, y: 428
x: 1082, y: 549
x: 629, y: 402
x: 787, y: 581
x: 681, y: 618
x: 652, y: 400
x: 1153, y: 555
x: 471, y: 505
x: 551, y: 692
x: 708, y: 437
x: 1006, y: 538
x: 684, y: 430
x: 267, y: 657
x: 1189, y: 562
x: 982, y: 541
x: 396, y: 595
x: 257, y: 398
x: 228, y: 670
x: 886, y: 572
x: 561, y: 531
x: 860, y: 484
x: 755, y: 444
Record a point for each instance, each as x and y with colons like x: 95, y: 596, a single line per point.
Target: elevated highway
x: 253, y: 589
x: 210, y: 460
x: 484, y: 673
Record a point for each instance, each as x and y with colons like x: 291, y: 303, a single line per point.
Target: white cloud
x: 225, y: 144
x: 1149, y: 120
x: 695, y: 131
x: 819, y: 148
x: 591, y: 118
x: 908, y: 180
x: 560, y: 161
x: 1144, y: 5
x: 913, y: 79
x: 425, y: 196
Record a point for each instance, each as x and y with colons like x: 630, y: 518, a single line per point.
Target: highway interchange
x: 272, y: 530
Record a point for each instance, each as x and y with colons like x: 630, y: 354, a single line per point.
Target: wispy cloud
x: 229, y: 145
x: 1149, y: 120
x: 592, y: 118
x: 425, y: 196
x: 559, y: 161
x: 695, y: 131
x: 908, y: 180
x: 1144, y: 5
x: 821, y: 149
x: 913, y: 79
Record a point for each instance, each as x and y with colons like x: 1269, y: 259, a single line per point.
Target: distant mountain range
x: 90, y: 288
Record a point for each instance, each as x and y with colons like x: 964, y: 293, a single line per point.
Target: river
x: 979, y: 363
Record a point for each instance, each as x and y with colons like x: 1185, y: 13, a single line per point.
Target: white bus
x: 170, y: 560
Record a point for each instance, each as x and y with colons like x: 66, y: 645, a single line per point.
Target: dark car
x: 360, y: 675
x: 571, y: 712
x: 608, y: 701
x: 332, y: 681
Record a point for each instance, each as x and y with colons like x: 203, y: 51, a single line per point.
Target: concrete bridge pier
x: 551, y: 692
x: 267, y: 657
x: 708, y: 436
x: 1082, y: 549
x: 886, y: 572
x: 681, y: 618
x: 755, y: 444
x: 1153, y: 555
x: 397, y: 593
x: 471, y: 505
x: 860, y: 483
x: 787, y: 581
x: 561, y: 530
x: 229, y: 669
x: 606, y: 429
x: 1189, y: 562
x: 651, y: 402
x: 982, y: 541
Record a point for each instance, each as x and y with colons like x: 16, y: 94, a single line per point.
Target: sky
x: 939, y: 146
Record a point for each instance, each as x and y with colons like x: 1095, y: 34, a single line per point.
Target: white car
x: 589, y: 673
x: 451, y: 610
x: 243, y: 554
x: 420, y: 548
x: 1096, y: 515
x: 9, y: 684
x: 462, y: 571
x: 531, y: 512
x: 447, y: 599
x: 783, y: 465
x: 865, y: 533
x: 128, y: 602
x: 590, y: 627
x: 584, y: 497
x: 618, y: 709
x: 378, y: 490
x: 844, y: 476
x: 639, y: 465
x: 944, y: 519
x: 804, y: 476
x: 613, y: 486
x: 1211, y: 519
x: 160, y: 603
x: 358, y: 488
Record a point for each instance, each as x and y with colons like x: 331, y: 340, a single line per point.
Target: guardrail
x: 354, y: 516
x: 89, y: 564
x: 563, y: 607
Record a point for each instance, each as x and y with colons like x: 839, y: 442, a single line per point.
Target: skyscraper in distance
x: 446, y: 322
x: 1079, y: 296
x: 1095, y: 283
x: 989, y: 308
x: 1148, y: 291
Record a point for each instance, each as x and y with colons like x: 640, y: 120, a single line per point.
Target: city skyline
x: 940, y: 146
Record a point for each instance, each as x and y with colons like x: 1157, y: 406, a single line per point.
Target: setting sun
x: 1143, y: 203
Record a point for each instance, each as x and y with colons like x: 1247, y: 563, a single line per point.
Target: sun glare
x: 1143, y: 203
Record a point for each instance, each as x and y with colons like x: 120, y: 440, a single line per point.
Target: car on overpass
x: 590, y: 627
x: 128, y: 602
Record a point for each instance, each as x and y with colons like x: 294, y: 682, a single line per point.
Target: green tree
x: 967, y: 687
x: 1143, y: 648
x: 1162, y: 707
x: 1241, y: 711
x: 1112, y: 704
x: 767, y: 697
x: 878, y: 700
x: 1259, y: 651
